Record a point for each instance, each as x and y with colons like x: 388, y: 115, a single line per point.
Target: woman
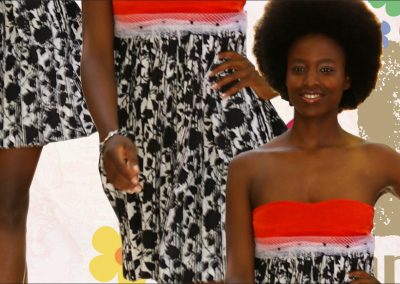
x: 41, y: 102
x: 167, y: 132
x: 300, y: 208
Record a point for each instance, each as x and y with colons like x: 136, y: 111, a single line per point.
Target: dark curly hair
x: 349, y: 22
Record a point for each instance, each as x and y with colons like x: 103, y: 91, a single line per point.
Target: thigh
x: 17, y: 167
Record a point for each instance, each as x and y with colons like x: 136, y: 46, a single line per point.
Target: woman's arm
x: 97, y: 65
x: 98, y: 80
x: 239, y: 231
x: 392, y: 169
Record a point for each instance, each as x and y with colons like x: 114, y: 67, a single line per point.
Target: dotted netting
x: 128, y: 25
x: 315, y: 245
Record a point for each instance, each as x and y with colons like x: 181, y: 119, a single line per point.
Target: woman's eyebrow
x: 323, y: 60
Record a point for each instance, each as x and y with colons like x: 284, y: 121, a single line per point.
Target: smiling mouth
x: 311, y: 97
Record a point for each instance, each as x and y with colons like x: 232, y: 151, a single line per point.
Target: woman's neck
x: 317, y: 132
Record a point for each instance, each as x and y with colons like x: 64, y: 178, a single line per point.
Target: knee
x: 13, y: 208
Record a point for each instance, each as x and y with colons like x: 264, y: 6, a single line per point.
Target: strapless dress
x: 298, y: 242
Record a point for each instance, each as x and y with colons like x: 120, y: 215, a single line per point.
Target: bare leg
x: 25, y: 278
x: 17, y: 167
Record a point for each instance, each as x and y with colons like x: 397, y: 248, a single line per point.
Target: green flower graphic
x: 392, y: 6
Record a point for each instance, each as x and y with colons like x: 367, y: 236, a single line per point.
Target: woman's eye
x: 298, y: 69
x: 327, y: 69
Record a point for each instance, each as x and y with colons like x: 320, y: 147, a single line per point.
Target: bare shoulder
x: 274, y: 147
x: 379, y: 151
x: 259, y: 158
x: 385, y: 162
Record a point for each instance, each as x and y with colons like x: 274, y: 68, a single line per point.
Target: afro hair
x: 349, y: 22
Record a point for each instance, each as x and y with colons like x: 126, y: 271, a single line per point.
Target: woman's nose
x: 311, y: 78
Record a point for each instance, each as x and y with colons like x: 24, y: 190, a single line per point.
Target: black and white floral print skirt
x: 40, y: 89
x: 312, y: 259
x: 186, y: 136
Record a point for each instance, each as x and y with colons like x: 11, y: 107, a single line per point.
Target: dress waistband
x: 316, y: 245
x: 133, y: 24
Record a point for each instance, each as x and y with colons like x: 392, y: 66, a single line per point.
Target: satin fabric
x: 335, y: 217
x: 176, y: 6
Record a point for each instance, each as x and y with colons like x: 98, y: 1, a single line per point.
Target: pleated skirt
x: 41, y: 97
x: 186, y: 135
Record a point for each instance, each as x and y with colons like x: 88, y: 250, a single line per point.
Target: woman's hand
x: 362, y: 277
x: 121, y: 164
x: 243, y: 75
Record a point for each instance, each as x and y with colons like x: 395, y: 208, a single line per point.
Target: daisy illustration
x: 108, y: 264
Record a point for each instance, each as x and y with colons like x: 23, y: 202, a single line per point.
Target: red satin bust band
x: 335, y: 217
x: 125, y: 7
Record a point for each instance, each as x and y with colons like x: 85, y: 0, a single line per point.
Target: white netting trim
x: 315, y: 245
x: 134, y: 24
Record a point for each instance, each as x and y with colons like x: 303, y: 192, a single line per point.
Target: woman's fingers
x: 133, y: 167
x: 117, y: 171
x: 233, y: 82
x: 230, y: 66
x: 361, y: 277
x: 120, y: 164
x: 228, y: 84
x: 236, y: 73
x: 229, y: 55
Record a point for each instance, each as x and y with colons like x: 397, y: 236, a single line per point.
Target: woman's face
x: 316, y: 76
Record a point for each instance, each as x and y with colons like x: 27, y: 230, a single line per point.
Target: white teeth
x: 311, y: 96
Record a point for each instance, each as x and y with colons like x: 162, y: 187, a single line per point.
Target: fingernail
x: 137, y: 188
x: 224, y: 96
x: 135, y: 180
x: 214, y: 86
x: 136, y: 168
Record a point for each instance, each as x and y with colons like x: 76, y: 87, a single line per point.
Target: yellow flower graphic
x: 104, y: 267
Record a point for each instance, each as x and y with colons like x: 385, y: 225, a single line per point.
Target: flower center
x: 118, y: 256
